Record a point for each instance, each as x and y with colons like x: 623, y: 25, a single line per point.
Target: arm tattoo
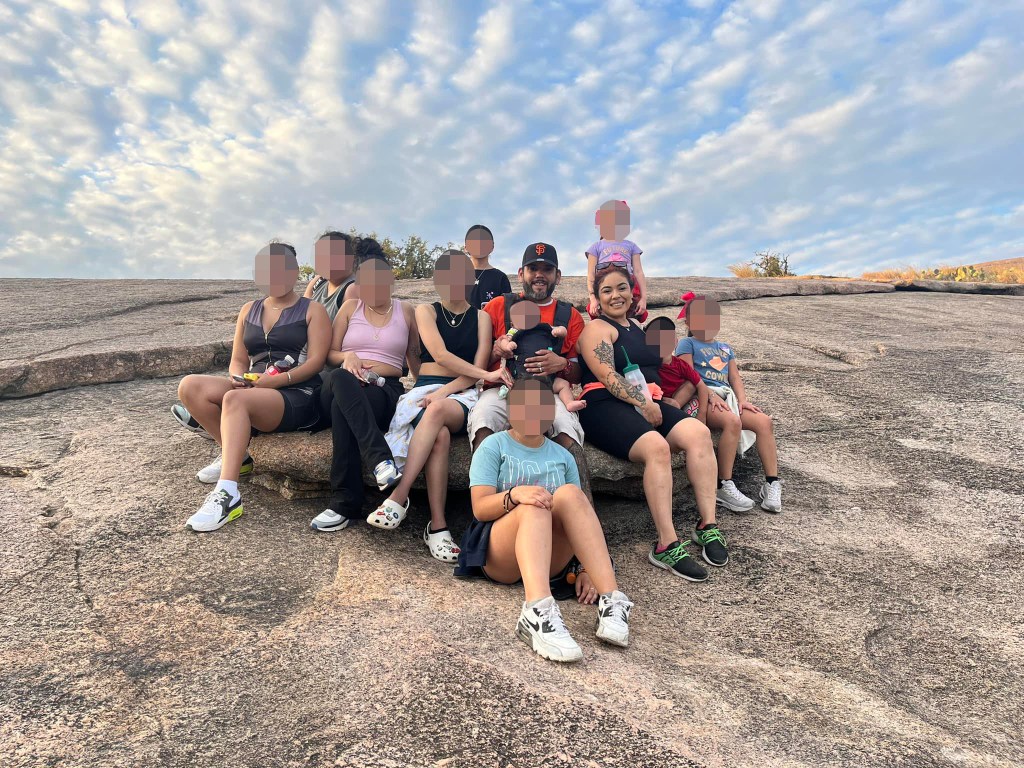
x: 623, y: 390
x: 616, y: 384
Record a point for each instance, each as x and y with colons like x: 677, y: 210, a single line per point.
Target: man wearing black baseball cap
x: 539, y: 276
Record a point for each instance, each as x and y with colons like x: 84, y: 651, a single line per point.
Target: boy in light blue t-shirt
x: 729, y: 410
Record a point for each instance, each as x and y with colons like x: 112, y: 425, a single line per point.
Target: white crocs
x: 441, y: 545
x: 389, y: 514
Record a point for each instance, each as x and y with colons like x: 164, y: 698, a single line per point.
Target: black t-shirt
x: 490, y: 283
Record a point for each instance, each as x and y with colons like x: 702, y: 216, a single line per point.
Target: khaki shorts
x: 491, y: 412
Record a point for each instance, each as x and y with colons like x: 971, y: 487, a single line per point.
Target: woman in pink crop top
x: 373, y: 336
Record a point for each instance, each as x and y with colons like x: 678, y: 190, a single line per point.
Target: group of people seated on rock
x: 501, y: 367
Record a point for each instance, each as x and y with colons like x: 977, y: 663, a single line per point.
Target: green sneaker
x: 675, y: 559
x: 712, y: 542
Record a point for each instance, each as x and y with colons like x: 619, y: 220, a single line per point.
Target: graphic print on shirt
x: 516, y: 472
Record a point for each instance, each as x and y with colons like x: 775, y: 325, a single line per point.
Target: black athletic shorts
x: 301, y: 408
x: 613, y: 426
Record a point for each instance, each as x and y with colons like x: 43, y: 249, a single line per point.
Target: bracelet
x: 289, y: 376
x: 508, y: 502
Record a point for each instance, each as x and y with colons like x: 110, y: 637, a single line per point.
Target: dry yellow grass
x: 1004, y: 271
x: 743, y: 269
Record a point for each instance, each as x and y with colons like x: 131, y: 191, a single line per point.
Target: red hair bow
x: 687, y: 298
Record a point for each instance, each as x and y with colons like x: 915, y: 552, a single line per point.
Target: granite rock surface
x: 103, y: 331
x: 875, y: 622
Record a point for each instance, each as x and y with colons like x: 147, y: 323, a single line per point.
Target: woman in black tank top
x: 455, y: 338
x: 277, y: 398
x: 611, y: 422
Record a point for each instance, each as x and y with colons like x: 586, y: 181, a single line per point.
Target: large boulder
x: 298, y: 465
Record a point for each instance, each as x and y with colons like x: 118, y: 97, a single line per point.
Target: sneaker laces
x: 673, y: 554
x: 552, y: 616
x: 708, y: 535
x: 618, y: 608
x: 214, y: 497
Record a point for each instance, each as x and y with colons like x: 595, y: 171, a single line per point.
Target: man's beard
x: 529, y: 293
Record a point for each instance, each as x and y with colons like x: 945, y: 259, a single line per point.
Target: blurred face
x: 524, y: 315
x: 454, y: 281
x: 274, y: 274
x: 614, y: 295
x: 539, y: 280
x: 375, y: 280
x: 333, y: 259
x: 479, y: 244
x: 613, y: 220
x: 531, y: 408
x: 705, y: 319
x: 661, y: 339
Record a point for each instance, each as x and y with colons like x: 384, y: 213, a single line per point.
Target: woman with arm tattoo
x: 621, y: 420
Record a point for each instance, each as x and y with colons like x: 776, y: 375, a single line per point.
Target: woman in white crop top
x: 373, y: 336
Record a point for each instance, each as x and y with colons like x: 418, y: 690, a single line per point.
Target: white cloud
x: 847, y: 134
x: 494, y: 46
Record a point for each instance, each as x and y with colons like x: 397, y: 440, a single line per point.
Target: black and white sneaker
x: 613, y: 618
x: 541, y: 627
x: 217, y: 510
x: 183, y: 417
x: 386, y: 474
x: 328, y: 521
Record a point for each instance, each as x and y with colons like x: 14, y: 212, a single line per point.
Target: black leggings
x: 613, y: 425
x: 359, y: 417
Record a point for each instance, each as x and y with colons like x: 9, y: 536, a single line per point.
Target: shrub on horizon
x: 766, y: 263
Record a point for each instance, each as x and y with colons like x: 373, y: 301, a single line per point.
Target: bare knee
x: 655, y: 451
x: 233, y: 401
x: 569, y: 497
x: 188, y: 387
x: 532, y: 512
x: 434, y: 413
x: 731, y: 423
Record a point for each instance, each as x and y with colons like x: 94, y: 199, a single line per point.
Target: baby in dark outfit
x: 531, y: 336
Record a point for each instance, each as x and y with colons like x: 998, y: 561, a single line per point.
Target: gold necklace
x: 376, y: 330
x: 451, y: 318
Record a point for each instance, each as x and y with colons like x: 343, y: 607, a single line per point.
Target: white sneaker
x: 771, y: 496
x: 730, y: 497
x: 541, y: 627
x: 441, y: 545
x: 613, y: 618
x: 329, y: 520
x: 217, y: 510
x: 386, y: 474
x: 210, y: 474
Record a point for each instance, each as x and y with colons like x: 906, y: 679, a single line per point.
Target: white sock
x: 231, y: 486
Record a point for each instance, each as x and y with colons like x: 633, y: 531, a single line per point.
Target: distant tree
x: 766, y: 263
x: 413, y: 258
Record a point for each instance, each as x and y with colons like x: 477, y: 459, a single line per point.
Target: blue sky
x: 154, y: 139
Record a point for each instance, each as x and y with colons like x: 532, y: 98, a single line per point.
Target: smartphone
x: 241, y: 379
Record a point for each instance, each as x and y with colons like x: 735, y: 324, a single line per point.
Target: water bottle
x: 374, y: 379
x: 632, y: 374
x: 280, y: 366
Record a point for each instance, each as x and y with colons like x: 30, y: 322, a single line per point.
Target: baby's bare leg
x: 563, y: 390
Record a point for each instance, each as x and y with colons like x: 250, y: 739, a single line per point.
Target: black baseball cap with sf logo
x: 540, y: 252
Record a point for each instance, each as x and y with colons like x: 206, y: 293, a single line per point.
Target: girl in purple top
x: 612, y: 220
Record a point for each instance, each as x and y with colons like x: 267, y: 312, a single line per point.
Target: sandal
x: 441, y: 545
x: 389, y: 514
